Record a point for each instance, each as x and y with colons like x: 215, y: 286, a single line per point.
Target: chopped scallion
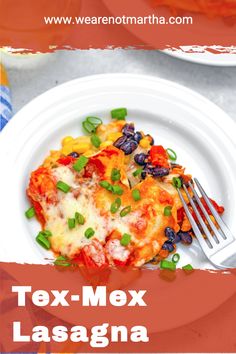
x: 94, y: 120
x: 188, y: 268
x: 71, y: 223
x: 136, y: 194
x: 43, y: 241
x: 167, y: 265
x: 80, y: 163
x: 104, y: 184
x: 79, y: 218
x: 125, y: 240
x: 175, y: 258
x: 117, y: 190
x: 89, y: 232
x: 125, y: 211
x: 171, y: 154
x: 119, y: 113
x: 115, y: 174
x: 46, y: 233
x: 115, y: 205
x: 95, y: 140
x: 62, y: 261
x: 177, y: 183
x: 88, y: 127
x: 167, y: 211
x: 30, y: 213
x: 137, y: 172
x: 62, y: 186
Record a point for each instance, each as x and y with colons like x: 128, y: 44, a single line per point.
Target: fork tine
x: 217, y: 217
x: 210, y: 222
x: 200, y: 219
x: 196, y: 230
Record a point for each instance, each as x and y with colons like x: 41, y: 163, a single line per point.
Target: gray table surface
x: 216, y: 83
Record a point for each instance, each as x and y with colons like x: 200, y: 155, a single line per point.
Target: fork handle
x: 226, y: 257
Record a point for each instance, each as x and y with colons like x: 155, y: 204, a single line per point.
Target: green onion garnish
x: 89, y: 232
x: 119, y: 113
x: 188, y: 268
x: 167, y: 211
x: 115, y: 174
x: 137, y: 172
x: 95, y: 140
x: 46, y: 233
x: 177, y: 183
x: 136, y: 194
x: 80, y: 163
x: 79, y: 218
x: 104, y: 184
x: 43, y: 241
x: 62, y: 186
x: 94, y: 120
x: 176, y: 257
x: 62, y: 261
x: 171, y: 154
x: 117, y: 190
x: 125, y: 240
x: 30, y: 213
x: 125, y: 211
x: 88, y: 127
x: 167, y: 265
x: 71, y: 223
x: 115, y: 205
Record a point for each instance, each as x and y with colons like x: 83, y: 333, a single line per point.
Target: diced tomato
x: 66, y: 160
x: 118, y: 254
x: 39, y: 212
x: 93, y: 255
x: 159, y: 156
x: 180, y: 215
x: 42, y: 186
x: 165, y: 197
x: 219, y: 209
x: 94, y: 166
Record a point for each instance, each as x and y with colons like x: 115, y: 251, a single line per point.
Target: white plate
x: 206, y: 26
x: 206, y: 58
x: 200, y: 133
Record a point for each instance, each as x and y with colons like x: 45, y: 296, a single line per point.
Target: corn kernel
x: 144, y: 143
x: 80, y: 148
x: 82, y: 139
x: 106, y: 144
x: 114, y: 136
x: 67, y: 149
x: 89, y: 153
x: 66, y: 140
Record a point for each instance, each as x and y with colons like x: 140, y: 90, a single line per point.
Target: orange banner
x: 142, y: 24
x: 132, y: 310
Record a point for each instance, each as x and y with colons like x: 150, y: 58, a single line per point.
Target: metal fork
x: 219, y: 244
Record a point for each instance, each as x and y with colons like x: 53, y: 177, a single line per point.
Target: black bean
x: 143, y: 175
x: 74, y: 154
x: 129, y: 146
x: 170, y: 234
x: 177, y: 239
x: 185, y: 237
x: 128, y: 129
x: 140, y: 159
x: 138, y: 136
x: 120, y: 141
x: 168, y: 245
x: 160, y: 172
x: 151, y: 139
